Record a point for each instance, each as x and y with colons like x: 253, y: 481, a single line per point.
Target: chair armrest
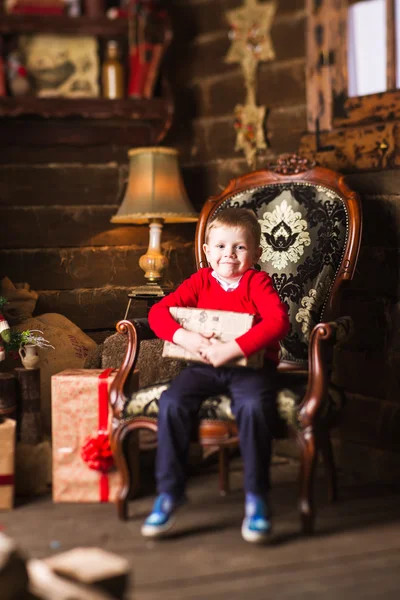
x: 136, y: 330
x: 323, y: 338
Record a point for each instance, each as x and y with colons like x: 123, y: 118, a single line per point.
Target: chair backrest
x: 311, y: 233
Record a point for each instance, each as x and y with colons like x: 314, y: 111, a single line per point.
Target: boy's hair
x: 236, y: 217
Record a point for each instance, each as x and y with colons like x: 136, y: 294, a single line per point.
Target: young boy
x: 230, y: 283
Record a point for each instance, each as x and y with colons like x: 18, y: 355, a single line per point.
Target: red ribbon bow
x: 96, y: 452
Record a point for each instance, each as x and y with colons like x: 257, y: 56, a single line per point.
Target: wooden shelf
x: 14, y: 24
x: 79, y: 122
x: 153, y: 109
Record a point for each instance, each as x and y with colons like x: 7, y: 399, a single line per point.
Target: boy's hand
x: 196, y: 343
x: 220, y: 353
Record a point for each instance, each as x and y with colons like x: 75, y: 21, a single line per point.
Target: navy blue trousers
x: 253, y: 403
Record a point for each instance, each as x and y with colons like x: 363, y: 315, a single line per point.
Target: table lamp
x: 155, y: 194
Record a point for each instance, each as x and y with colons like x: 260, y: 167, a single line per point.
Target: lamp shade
x: 155, y: 189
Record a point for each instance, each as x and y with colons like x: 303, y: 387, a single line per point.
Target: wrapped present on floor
x: 93, y: 567
x: 7, y: 463
x: 224, y: 324
x: 83, y: 468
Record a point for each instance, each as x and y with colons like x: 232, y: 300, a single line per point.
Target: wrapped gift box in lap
x: 225, y: 326
x: 83, y: 469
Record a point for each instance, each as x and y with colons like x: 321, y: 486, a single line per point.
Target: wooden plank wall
x: 369, y: 366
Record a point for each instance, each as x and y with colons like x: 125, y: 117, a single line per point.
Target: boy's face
x: 231, y: 251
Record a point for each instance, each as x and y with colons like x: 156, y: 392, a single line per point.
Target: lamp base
x: 154, y: 261
x: 144, y: 291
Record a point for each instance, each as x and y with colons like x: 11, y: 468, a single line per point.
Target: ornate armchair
x: 311, y: 231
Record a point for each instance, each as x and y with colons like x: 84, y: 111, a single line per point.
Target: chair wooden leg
x: 133, y: 452
x: 329, y: 463
x: 307, y: 471
x: 223, y: 471
x: 122, y: 467
x: 129, y: 473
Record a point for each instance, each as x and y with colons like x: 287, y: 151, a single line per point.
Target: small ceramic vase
x: 29, y: 356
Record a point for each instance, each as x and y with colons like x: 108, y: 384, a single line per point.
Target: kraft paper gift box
x: 7, y: 463
x: 225, y: 325
x: 80, y: 419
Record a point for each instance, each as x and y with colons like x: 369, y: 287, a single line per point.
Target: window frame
x: 352, y: 133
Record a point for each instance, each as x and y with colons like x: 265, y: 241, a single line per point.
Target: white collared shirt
x: 228, y: 287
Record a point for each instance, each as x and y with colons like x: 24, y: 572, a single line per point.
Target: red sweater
x: 254, y: 294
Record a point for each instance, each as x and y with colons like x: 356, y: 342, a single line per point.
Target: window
x: 366, y: 41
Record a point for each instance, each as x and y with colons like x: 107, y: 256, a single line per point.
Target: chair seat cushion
x: 292, y: 387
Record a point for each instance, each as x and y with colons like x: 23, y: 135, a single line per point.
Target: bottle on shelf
x: 112, y: 72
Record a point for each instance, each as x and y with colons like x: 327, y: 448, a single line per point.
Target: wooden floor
x: 355, y: 553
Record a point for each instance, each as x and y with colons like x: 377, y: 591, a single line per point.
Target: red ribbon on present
x: 96, y: 450
x: 6, y: 479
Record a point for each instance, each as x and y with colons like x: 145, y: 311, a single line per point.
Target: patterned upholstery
x: 144, y: 403
x: 304, y: 232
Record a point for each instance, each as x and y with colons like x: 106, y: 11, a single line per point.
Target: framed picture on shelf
x: 61, y: 65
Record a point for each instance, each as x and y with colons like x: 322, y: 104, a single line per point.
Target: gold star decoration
x: 251, y: 31
x: 249, y: 121
x: 251, y: 43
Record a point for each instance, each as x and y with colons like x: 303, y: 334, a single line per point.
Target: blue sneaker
x: 256, y: 525
x: 161, y: 518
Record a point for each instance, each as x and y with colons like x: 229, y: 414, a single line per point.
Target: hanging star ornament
x: 251, y: 31
x: 251, y: 43
x: 249, y: 121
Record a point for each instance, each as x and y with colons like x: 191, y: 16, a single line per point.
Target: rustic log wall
x: 57, y: 199
x: 369, y: 367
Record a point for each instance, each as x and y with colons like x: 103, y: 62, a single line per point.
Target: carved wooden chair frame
x: 312, y: 439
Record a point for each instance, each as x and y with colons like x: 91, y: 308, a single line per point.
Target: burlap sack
x: 71, y: 345
x: 21, y: 301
